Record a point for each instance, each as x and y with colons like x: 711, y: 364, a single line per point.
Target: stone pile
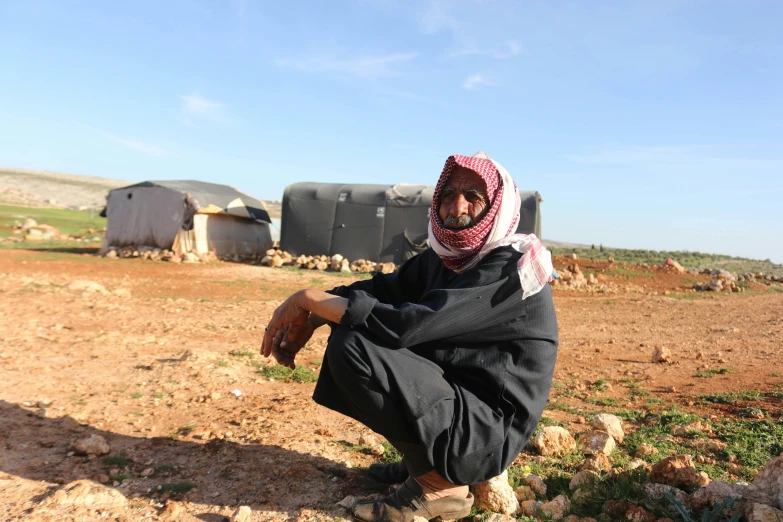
x: 274, y: 257
x: 721, y: 281
x: 572, y: 278
x: 157, y: 254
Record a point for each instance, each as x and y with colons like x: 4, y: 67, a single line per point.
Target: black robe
x: 496, y: 351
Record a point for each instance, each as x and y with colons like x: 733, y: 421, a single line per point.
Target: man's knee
x: 346, y: 354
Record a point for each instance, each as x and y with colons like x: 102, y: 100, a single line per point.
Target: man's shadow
x: 217, y: 472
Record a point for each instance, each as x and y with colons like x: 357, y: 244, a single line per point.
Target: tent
x: 379, y: 223
x: 186, y: 216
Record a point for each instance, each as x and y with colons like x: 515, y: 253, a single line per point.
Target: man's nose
x: 460, y: 206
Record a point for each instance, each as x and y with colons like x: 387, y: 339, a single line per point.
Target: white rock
x: 86, y: 493
x: 87, y: 286
x: 496, y: 495
x: 594, y: 442
x: 242, y: 514
x: 554, y: 441
x: 583, y: 478
x: 611, y: 424
x: 770, y: 479
x: 91, y: 445
x: 661, y: 355
x: 237, y: 393
x: 348, y: 502
x: 762, y: 513
x: 536, y: 483
x: 367, y: 439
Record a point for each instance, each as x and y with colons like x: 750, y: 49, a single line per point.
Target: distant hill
x: 35, y: 188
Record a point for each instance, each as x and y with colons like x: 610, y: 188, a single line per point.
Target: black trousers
x: 388, y: 390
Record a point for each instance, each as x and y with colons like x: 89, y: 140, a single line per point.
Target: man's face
x: 463, y: 201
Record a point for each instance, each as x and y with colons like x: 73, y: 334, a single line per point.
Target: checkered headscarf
x: 461, y: 250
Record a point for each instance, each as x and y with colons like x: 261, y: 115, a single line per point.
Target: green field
x: 72, y: 222
x: 694, y: 260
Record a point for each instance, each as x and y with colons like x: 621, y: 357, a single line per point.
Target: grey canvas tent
x: 186, y: 216
x: 379, y: 223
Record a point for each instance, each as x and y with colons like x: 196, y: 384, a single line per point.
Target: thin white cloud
x: 703, y: 158
x: 197, y: 106
x: 475, y: 81
x: 366, y: 67
x: 507, y: 50
x: 187, y: 123
x: 148, y: 149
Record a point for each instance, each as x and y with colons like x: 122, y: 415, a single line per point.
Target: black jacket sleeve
x: 474, y: 303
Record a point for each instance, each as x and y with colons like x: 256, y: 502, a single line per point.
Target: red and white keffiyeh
x: 463, y: 249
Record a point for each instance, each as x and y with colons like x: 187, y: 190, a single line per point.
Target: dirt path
x: 151, y: 365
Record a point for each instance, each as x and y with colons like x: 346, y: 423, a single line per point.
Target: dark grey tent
x: 187, y: 216
x: 375, y: 222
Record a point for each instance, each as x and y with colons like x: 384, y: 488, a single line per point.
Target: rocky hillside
x: 35, y: 188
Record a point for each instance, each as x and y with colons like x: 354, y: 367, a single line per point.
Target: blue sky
x: 643, y: 124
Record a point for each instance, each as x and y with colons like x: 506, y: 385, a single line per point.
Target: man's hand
x: 288, y: 341
x: 292, y: 313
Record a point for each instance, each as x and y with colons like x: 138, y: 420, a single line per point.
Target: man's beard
x: 459, y: 222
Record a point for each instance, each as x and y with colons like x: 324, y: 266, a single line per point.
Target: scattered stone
x: 172, y: 512
x: 645, y: 449
x: 611, y: 424
x: 556, y: 508
x: 215, y: 396
x: 190, y: 257
x: 147, y: 472
x: 367, y: 439
x: 536, y: 483
x: 102, y: 478
x: 658, y: 492
x: 598, y: 463
x: 377, y: 450
x: 678, y: 471
x: 496, y: 495
x: 636, y: 464
x: 91, y: 445
x: 86, y: 493
x: 662, y: 355
x: 529, y: 508
x: 493, y: 517
x: 770, y: 479
x: 87, y: 287
x: 554, y: 441
x: 348, y: 502
x: 762, y: 513
x: 711, y: 445
x: 242, y: 514
x: 719, y: 491
x: 638, y: 514
x: 524, y: 493
x: 594, y: 442
x: 583, y: 478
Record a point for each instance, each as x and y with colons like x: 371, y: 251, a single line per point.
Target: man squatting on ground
x: 451, y: 357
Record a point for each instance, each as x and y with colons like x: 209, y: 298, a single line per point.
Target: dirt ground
x: 152, y: 363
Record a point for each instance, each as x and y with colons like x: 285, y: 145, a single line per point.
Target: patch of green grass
x: 242, y: 353
x: 317, y: 362
x: 562, y: 406
x: 753, y: 442
x: 221, y: 363
x: 776, y: 374
x: 72, y: 222
x: 163, y: 468
x: 707, y: 374
x: 119, y: 477
x: 176, y: 488
x: 136, y: 395
x: 77, y: 400
x: 159, y: 394
x: 609, y: 402
x: 390, y: 454
x: 600, y: 385
x: 733, y: 397
x: 283, y: 374
x: 136, y: 413
x: 120, y: 460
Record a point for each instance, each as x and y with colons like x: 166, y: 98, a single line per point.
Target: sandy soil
x: 148, y: 366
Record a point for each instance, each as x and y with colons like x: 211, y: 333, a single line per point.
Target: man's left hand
x: 291, y: 312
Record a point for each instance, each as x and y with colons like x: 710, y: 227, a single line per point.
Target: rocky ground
x: 132, y: 390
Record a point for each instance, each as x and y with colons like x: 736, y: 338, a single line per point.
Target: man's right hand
x: 289, y: 340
